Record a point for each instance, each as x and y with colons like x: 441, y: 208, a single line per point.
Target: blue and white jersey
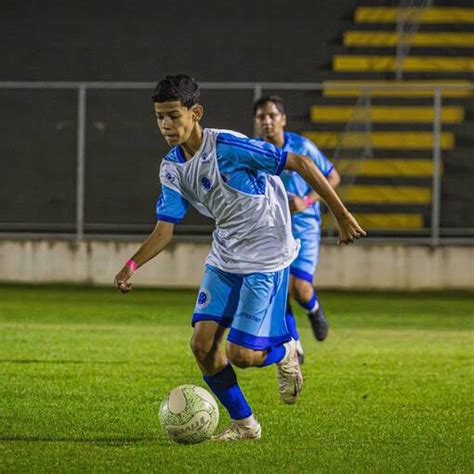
x: 310, y: 218
x: 232, y: 179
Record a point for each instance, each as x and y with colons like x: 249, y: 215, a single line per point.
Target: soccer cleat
x: 300, y: 352
x: 319, y: 324
x: 290, y: 378
x: 237, y: 432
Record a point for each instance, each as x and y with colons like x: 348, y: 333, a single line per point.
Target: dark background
x: 249, y: 41
x: 141, y: 40
x: 134, y: 41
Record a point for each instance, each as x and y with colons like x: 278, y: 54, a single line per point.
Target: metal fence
x: 230, y: 100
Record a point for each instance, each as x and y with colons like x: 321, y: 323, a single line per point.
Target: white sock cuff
x: 315, y: 307
x: 249, y: 421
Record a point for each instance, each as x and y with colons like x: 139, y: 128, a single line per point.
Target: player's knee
x: 201, y: 348
x: 240, y: 356
x: 302, y: 290
x: 242, y: 362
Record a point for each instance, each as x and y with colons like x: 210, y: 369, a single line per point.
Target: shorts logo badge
x: 205, y: 157
x: 206, y: 183
x: 204, y: 298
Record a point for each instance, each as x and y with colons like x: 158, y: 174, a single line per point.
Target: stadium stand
x: 391, y: 187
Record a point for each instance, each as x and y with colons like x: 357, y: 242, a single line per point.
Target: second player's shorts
x: 252, y: 305
x: 304, y: 266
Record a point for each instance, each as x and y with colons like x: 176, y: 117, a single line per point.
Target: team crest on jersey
x: 204, y: 298
x: 169, y: 177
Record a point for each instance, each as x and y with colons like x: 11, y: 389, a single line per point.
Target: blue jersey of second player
x: 296, y: 185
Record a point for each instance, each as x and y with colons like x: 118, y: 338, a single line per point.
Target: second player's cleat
x: 237, y: 431
x: 290, y: 378
x: 319, y: 324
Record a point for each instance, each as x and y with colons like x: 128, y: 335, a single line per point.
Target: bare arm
x: 333, y: 179
x: 150, y: 248
x: 349, y: 229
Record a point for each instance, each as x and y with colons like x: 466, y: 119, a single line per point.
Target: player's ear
x: 284, y: 120
x: 198, y: 112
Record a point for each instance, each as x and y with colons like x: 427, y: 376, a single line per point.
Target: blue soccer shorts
x: 252, y: 305
x: 304, y: 266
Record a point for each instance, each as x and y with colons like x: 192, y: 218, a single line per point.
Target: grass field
x: 83, y: 372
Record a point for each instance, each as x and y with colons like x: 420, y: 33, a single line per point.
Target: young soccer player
x: 270, y: 123
x: 232, y: 179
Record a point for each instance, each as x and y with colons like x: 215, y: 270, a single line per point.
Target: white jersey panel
x: 253, y: 231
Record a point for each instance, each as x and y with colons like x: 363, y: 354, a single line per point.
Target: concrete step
x: 385, y: 168
x: 446, y: 51
x: 388, y: 114
x: 426, y: 76
x: 422, y: 28
x: 393, y: 88
x: 364, y: 126
x: 375, y: 221
x: 380, y: 140
x: 443, y: 15
x: 388, y: 208
x: 390, y: 39
x: 385, y: 194
x: 399, y: 180
x: 387, y: 154
x: 347, y: 63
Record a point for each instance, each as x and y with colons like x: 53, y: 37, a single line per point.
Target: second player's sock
x: 275, y: 354
x: 291, y: 323
x: 312, y: 305
x: 226, y: 389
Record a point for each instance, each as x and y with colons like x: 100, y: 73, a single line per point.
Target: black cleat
x: 319, y: 324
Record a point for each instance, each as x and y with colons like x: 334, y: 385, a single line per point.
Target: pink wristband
x: 132, y: 264
x: 307, y: 200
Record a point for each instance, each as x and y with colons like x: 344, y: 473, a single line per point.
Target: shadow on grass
x: 99, y: 440
x: 100, y: 362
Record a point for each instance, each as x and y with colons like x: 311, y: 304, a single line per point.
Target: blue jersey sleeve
x: 171, y: 206
x: 254, y: 154
x: 319, y: 158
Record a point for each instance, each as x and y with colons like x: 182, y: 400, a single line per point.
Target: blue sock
x: 274, y: 355
x: 226, y: 389
x: 291, y: 323
x: 312, y: 304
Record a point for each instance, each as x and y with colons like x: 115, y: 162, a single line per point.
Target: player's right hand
x: 349, y: 229
x: 121, y: 279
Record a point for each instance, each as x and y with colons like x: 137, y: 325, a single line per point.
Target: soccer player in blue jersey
x: 270, y: 123
x: 244, y: 288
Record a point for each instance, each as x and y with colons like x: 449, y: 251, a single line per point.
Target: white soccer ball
x: 189, y: 414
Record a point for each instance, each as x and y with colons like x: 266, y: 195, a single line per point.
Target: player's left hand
x: 297, y: 204
x: 121, y: 279
x: 349, y: 229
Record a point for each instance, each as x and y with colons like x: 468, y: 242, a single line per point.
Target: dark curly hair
x: 180, y: 87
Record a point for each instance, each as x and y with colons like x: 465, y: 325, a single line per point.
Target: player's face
x: 269, y: 121
x: 175, y: 121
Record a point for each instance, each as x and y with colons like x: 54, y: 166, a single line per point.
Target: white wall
x: 361, y: 266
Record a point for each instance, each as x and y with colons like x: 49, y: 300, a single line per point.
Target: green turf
x: 83, y: 372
